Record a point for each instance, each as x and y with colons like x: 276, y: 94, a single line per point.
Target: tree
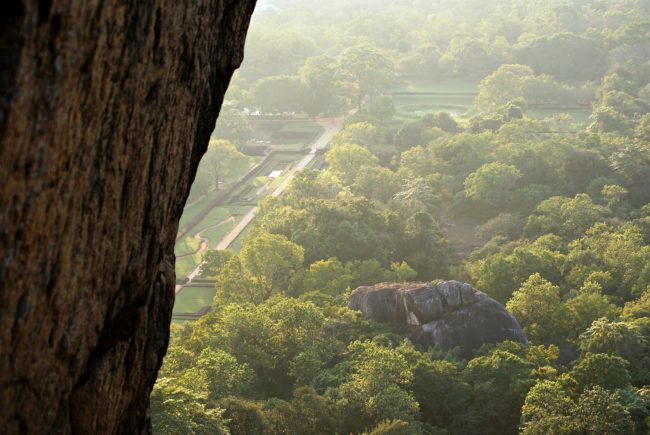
x: 536, y: 305
x: 213, y: 262
x: 567, y: 217
x: 599, y: 369
x: 245, y: 416
x: 492, y: 184
x: 600, y: 412
x: 364, y: 71
x: 219, y: 162
x: 503, y: 85
x: 608, y: 120
x: 175, y: 409
x: 312, y: 413
x: 496, y: 278
x: 501, y: 374
x: 279, y: 94
x: 582, y: 58
x: 587, y: 307
x: 621, y: 339
x: 347, y: 160
x: 548, y: 409
x: 270, y: 260
x: 220, y: 374
x: 233, y: 125
x: 362, y: 133
x: 643, y: 128
x: 376, y: 183
x: 632, y: 164
x: 317, y: 75
x: 328, y: 276
x: 376, y: 389
x: 409, y: 135
x: 424, y: 248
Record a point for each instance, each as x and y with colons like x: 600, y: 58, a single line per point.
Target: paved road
x: 331, y: 127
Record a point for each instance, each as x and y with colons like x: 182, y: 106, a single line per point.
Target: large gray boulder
x: 447, y: 314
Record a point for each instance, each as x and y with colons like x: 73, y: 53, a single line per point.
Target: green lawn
x: 215, y: 216
x: 235, y: 246
x: 238, y: 171
x: 215, y: 235
x: 302, y: 127
x: 186, y: 245
x: 416, y: 106
x: 192, y: 299
x: 185, y: 266
x: 425, y: 84
x: 241, y: 168
x: 580, y: 116
x: 267, y: 129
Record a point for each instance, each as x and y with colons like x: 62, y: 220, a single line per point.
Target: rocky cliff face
x: 106, y: 107
x: 448, y: 314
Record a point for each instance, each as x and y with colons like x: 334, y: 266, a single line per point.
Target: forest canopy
x: 537, y: 193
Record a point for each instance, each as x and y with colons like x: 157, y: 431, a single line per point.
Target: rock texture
x: 448, y: 314
x: 106, y: 107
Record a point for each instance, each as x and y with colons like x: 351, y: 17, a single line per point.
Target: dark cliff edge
x: 106, y: 108
x: 447, y: 314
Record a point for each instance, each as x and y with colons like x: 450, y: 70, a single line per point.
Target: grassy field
x: 287, y: 134
x: 185, y: 265
x: 192, y: 299
x: 215, y: 216
x: 425, y: 84
x: 413, y: 106
x: 191, y: 211
x: 456, y: 97
x: 186, y: 245
x: 581, y: 117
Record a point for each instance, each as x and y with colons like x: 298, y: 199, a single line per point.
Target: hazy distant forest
x: 502, y: 143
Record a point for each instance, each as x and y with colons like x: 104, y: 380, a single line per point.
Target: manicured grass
x: 241, y: 168
x: 416, y: 106
x: 580, y: 116
x: 215, y: 216
x: 301, y: 127
x: 192, y: 299
x: 236, y: 245
x: 186, y: 245
x: 189, y: 213
x: 410, y: 107
x: 185, y: 266
x: 215, y: 235
x: 268, y: 129
x: 426, y: 84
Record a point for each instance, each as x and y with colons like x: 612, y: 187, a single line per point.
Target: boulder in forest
x: 447, y: 314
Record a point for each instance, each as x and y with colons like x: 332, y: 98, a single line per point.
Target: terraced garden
x: 193, y: 299
x: 207, y: 221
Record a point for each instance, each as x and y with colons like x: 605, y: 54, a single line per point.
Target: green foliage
x: 176, y: 409
x: 567, y: 217
x: 214, y: 261
x: 492, y: 184
x: 559, y: 208
x: 536, y: 304
x: 346, y: 159
x: 583, y: 58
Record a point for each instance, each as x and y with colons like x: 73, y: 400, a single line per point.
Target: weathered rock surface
x: 106, y: 107
x: 448, y: 314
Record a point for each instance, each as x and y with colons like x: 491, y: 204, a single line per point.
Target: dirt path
x: 203, y: 245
